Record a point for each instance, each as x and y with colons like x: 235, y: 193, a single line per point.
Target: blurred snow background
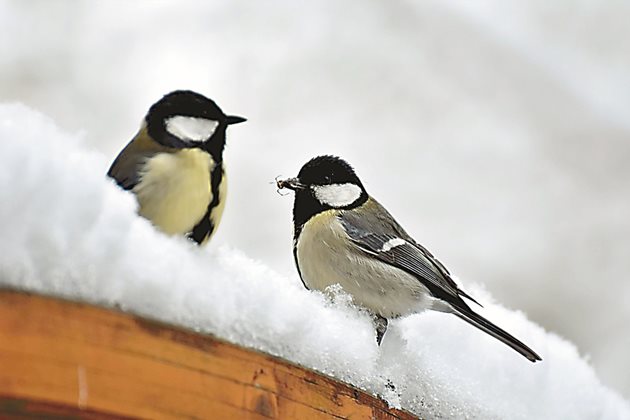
x: 497, y: 133
x: 79, y: 237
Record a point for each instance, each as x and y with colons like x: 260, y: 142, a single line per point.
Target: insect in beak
x: 290, y: 183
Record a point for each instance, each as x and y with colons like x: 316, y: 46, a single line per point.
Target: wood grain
x: 61, y: 359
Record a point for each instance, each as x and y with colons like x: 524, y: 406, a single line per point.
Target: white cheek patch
x: 191, y: 128
x: 392, y: 243
x: 337, y: 195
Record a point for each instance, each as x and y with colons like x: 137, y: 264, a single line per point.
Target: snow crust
x: 66, y: 230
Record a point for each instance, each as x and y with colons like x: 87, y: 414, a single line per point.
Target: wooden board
x: 61, y: 359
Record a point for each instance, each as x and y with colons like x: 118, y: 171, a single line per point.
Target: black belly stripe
x: 205, y: 227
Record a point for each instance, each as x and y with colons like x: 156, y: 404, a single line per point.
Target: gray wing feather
x: 371, y: 227
x: 125, y: 170
x: 126, y: 167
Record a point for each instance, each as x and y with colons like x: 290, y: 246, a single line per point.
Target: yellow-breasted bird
x: 343, y: 236
x: 174, y: 165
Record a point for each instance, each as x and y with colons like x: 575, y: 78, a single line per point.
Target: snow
x: 69, y: 231
x: 496, y: 132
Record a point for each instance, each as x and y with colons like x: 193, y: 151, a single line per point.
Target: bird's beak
x: 290, y: 183
x: 234, y: 119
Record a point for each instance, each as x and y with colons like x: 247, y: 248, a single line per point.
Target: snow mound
x: 66, y: 230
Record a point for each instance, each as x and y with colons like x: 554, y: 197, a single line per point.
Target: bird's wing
x: 374, y: 231
x: 126, y: 167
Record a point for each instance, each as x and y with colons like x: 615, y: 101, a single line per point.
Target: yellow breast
x: 174, y: 189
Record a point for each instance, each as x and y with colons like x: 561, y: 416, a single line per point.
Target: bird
x: 174, y: 165
x: 343, y: 236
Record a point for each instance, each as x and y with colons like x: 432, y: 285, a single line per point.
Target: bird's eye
x: 327, y: 179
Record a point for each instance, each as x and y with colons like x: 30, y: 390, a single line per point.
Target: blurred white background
x: 498, y: 134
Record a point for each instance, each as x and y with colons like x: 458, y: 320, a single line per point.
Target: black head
x: 186, y: 119
x: 324, y: 183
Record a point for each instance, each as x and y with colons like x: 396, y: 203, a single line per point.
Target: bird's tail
x: 483, y: 324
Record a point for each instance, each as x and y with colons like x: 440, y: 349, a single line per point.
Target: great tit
x: 343, y: 236
x: 174, y: 165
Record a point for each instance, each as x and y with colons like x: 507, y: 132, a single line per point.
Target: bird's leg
x: 381, y: 326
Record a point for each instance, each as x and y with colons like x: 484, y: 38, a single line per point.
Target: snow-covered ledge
x: 67, y: 231
x: 72, y: 359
